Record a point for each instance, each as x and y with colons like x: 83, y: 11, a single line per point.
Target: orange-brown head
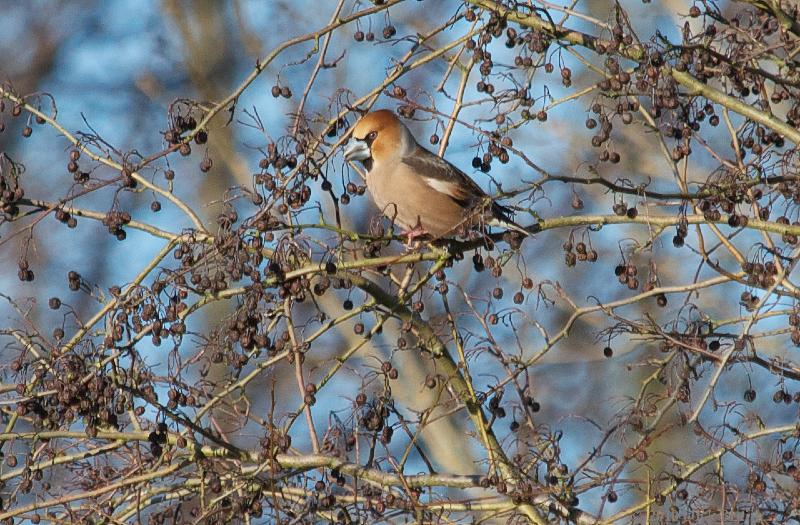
x: 377, y: 138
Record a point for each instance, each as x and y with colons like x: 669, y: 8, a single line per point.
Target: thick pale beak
x: 357, y: 150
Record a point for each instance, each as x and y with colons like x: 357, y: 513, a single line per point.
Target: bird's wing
x: 445, y: 178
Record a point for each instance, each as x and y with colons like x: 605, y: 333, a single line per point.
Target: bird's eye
x: 372, y: 135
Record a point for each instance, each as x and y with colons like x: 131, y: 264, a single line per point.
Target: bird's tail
x: 503, y: 217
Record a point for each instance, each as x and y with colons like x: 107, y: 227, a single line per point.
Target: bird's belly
x: 436, y: 214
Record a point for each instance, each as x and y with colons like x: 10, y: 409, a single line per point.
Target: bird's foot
x: 411, y: 236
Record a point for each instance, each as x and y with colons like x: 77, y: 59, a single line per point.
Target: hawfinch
x: 421, y: 192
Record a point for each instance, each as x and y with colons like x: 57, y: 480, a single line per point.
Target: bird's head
x: 377, y: 137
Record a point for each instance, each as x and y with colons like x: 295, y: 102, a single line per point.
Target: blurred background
x: 114, y: 68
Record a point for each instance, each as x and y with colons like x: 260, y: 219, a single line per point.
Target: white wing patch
x: 442, y: 186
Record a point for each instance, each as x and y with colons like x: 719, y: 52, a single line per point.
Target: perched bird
x: 420, y: 191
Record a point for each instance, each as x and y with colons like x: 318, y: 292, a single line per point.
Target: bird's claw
x: 411, y: 236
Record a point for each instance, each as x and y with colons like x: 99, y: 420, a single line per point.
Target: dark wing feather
x: 461, y: 188
x: 457, y: 185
